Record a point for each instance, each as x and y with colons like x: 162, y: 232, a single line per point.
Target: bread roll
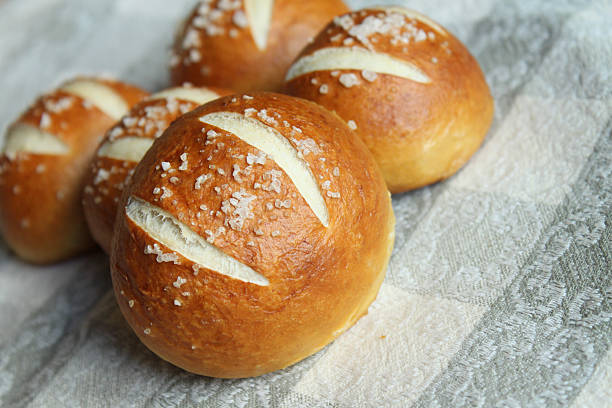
x: 254, y: 232
x: 246, y: 44
x: 405, y: 85
x: 44, y: 161
x: 123, y: 147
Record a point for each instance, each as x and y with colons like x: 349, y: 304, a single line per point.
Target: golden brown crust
x: 107, y: 176
x: 322, y: 279
x: 105, y: 182
x: 41, y: 217
x: 234, y: 61
x: 419, y: 133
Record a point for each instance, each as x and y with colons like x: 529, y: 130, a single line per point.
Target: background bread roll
x: 269, y: 239
x: 123, y: 147
x: 44, y: 162
x: 405, y: 85
x: 246, y: 44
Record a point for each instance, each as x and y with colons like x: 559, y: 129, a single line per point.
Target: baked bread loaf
x: 254, y: 232
x: 123, y: 147
x: 246, y: 45
x: 405, y: 85
x: 43, y: 165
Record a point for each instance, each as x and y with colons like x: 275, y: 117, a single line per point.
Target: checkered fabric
x: 499, y: 289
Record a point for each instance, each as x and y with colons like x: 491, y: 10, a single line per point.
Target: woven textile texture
x: 499, y: 290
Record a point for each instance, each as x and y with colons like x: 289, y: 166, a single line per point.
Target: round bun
x: 405, y: 85
x: 123, y: 147
x: 246, y: 45
x: 44, y: 161
x: 254, y: 232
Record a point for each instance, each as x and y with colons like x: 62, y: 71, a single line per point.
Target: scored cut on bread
x: 405, y: 85
x: 123, y: 147
x: 43, y: 163
x: 178, y: 237
x: 246, y: 45
x: 254, y: 231
x: 278, y: 148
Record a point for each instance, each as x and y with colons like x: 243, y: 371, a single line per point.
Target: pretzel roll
x: 246, y: 44
x: 254, y: 231
x: 123, y: 147
x: 405, y: 85
x: 44, y: 162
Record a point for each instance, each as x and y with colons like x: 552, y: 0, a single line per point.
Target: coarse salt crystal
x: 240, y: 19
x: 236, y: 173
x: 101, y: 176
x: 259, y: 158
x: 161, y: 256
x: 250, y: 112
x: 129, y: 121
x: 346, y: 21
x: 263, y: 115
x: 349, y: 80
x: 116, y: 132
x: 195, y: 55
x: 179, y: 282
x: 282, y: 204
x: 420, y: 36
x: 307, y: 146
x: 167, y: 193
x: 201, y: 180
x: 369, y: 75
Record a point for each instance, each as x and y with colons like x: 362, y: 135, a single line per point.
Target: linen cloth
x: 499, y: 289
